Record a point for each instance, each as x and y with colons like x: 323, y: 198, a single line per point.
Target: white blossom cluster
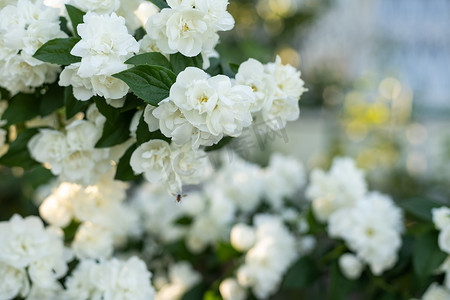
x: 24, y: 27
x: 105, y: 221
x: 270, y: 250
x: 180, y: 278
x: 441, y: 220
x: 72, y: 154
x: 104, y: 46
x: 110, y: 279
x: 189, y: 27
x: 169, y: 164
x: 277, y: 89
x: 363, y: 220
x: 32, y: 259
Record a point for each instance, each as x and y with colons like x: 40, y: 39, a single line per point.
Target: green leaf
x: 150, y: 59
x: 233, y: 67
x: 427, y: 256
x: 51, y: 100
x: 76, y: 17
x: 160, y: 3
x: 73, y: 106
x: 340, y: 287
x: 38, y: 176
x: 143, y: 134
x: 196, y: 292
x: 111, y: 113
x: 215, y: 67
x: 18, y: 154
x: 117, y: 133
x: 222, y: 143
x: 124, y: 171
x: 211, y: 295
x: 63, y: 26
x: 150, y: 83
x: 57, y: 51
x: 131, y: 102
x: 420, y: 207
x: 301, y: 274
x: 184, y: 221
x: 226, y: 252
x: 4, y: 94
x: 22, y: 107
x: 180, y: 62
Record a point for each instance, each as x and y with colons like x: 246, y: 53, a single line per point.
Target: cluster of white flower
x: 277, y: 89
x: 181, y: 277
x: 269, y: 256
x: 110, y: 279
x: 189, y: 27
x: 104, y: 46
x: 202, y: 109
x: 28, y: 251
x: 341, y: 187
x: 169, y: 164
x: 106, y: 221
x: 363, y: 220
x: 441, y: 220
x: 72, y: 154
x: 24, y: 27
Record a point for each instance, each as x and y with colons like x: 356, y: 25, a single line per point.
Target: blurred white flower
x: 350, y: 266
x: 182, y: 277
x: 242, y: 237
x: 14, y: 282
x: 441, y: 217
x: 436, y: 292
x: 97, y: 6
x: 231, y: 290
x: 92, y: 241
x: 444, y: 239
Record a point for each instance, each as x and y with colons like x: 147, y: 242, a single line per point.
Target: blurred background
x: 378, y: 79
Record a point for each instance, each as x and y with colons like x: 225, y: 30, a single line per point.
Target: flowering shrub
x: 122, y: 122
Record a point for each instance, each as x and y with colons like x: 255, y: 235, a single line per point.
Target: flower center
x: 203, y: 99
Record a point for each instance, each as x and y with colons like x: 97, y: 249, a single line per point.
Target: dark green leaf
x: 73, y: 106
x: 63, y: 26
x: 51, y: 100
x: 301, y: 274
x: 180, y: 62
x: 144, y: 135
x: 184, y: 221
x: 117, y: 133
x: 233, y: 67
x: 18, y: 154
x: 222, y: 143
x: 160, y: 3
x: 427, y: 256
x: 420, y: 207
x: 111, y: 113
x: 340, y: 287
x: 139, y: 33
x: 196, y: 292
x: 76, y: 17
x: 151, y: 59
x: 211, y: 295
x: 124, y: 171
x: 38, y: 176
x: 131, y: 102
x: 150, y: 83
x: 215, y: 67
x: 4, y: 94
x: 57, y: 51
x: 22, y: 107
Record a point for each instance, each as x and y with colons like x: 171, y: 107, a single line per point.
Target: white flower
x: 441, y: 217
x: 109, y: 87
x: 350, y: 266
x: 216, y: 13
x: 57, y: 208
x: 14, y: 282
x: 373, y: 221
x: 92, y: 241
x: 242, y: 237
x: 231, y: 290
x: 191, y: 166
x: 252, y: 74
x: 444, y: 239
x: 152, y: 159
x: 212, y: 104
x: 204, y: 230
x: 436, y: 292
x: 332, y: 191
x: 181, y: 278
x: 82, y: 86
x: 49, y: 146
x: 105, y: 44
